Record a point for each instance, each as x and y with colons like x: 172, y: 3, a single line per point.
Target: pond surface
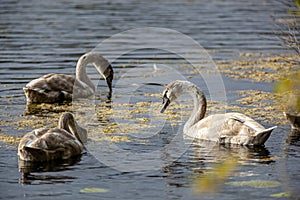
x: 40, y: 37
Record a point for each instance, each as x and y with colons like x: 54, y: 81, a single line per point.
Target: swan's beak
x: 109, y: 76
x: 166, y: 102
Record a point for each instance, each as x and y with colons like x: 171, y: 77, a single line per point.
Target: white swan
x: 53, y: 88
x: 233, y: 128
x: 46, y: 144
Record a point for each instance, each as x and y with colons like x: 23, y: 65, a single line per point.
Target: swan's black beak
x: 166, y: 102
x: 109, y: 76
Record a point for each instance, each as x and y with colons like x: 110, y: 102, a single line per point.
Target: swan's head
x: 101, y: 64
x: 172, y: 91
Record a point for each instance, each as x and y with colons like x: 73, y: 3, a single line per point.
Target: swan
x: 229, y: 128
x: 52, y: 88
x: 46, y: 144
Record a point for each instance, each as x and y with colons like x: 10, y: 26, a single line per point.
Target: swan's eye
x: 84, y: 57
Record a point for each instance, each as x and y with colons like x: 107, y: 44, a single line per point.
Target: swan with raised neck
x: 232, y: 128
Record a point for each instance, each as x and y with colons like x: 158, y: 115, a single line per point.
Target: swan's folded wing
x: 53, y: 139
x: 245, y: 120
x: 53, y: 82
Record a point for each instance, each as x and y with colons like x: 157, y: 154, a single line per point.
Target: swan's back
x: 53, y: 82
x: 233, y: 128
x: 55, y: 88
x: 48, y: 144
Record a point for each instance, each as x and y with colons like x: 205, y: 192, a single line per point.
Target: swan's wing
x: 56, y: 87
x: 240, y: 129
x: 246, y: 121
x: 44, y: 138
x: 229, y: 124
x: 235, y: 128
x: 207, y: 128
x: 32, y: 136
x: 238, y: 125
x: 53, y: 82
x: 28, y: 139
x: 55, y: 139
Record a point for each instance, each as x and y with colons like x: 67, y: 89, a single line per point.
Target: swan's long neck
x: 68, y: 123
x: 199, y: 106
x: 82, y: 76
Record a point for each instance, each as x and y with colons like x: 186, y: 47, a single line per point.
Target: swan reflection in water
x: 32, y: 172
x: 44, y: 109
x: 225, y: 161
x: 206, y: 150
x: 212, y: 164
x: 294, y: 135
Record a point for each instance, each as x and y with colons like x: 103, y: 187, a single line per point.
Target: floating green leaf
x: 255, y: 183
x: 94, y: 190
x: 281, y: 194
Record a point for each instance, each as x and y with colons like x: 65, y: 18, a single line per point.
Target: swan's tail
x: 262, y: 136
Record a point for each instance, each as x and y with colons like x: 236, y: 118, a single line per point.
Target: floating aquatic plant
x: 259, y: 68
x: 94, y: 190
x: 9, y: 139
x: 281, y: 195
x: 255, y: 183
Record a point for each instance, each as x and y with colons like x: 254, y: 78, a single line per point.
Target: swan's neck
x: 199, y: 107
x: 82, y: 76
x: 68, y: 123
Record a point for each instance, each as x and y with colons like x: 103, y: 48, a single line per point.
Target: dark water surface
x: 39, y: 37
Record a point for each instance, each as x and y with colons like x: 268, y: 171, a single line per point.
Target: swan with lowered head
x: 229, y: 128
x: 53, y: 88
x: 63, y: 142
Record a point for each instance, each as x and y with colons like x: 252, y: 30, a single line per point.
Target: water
x: 39, y: 37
